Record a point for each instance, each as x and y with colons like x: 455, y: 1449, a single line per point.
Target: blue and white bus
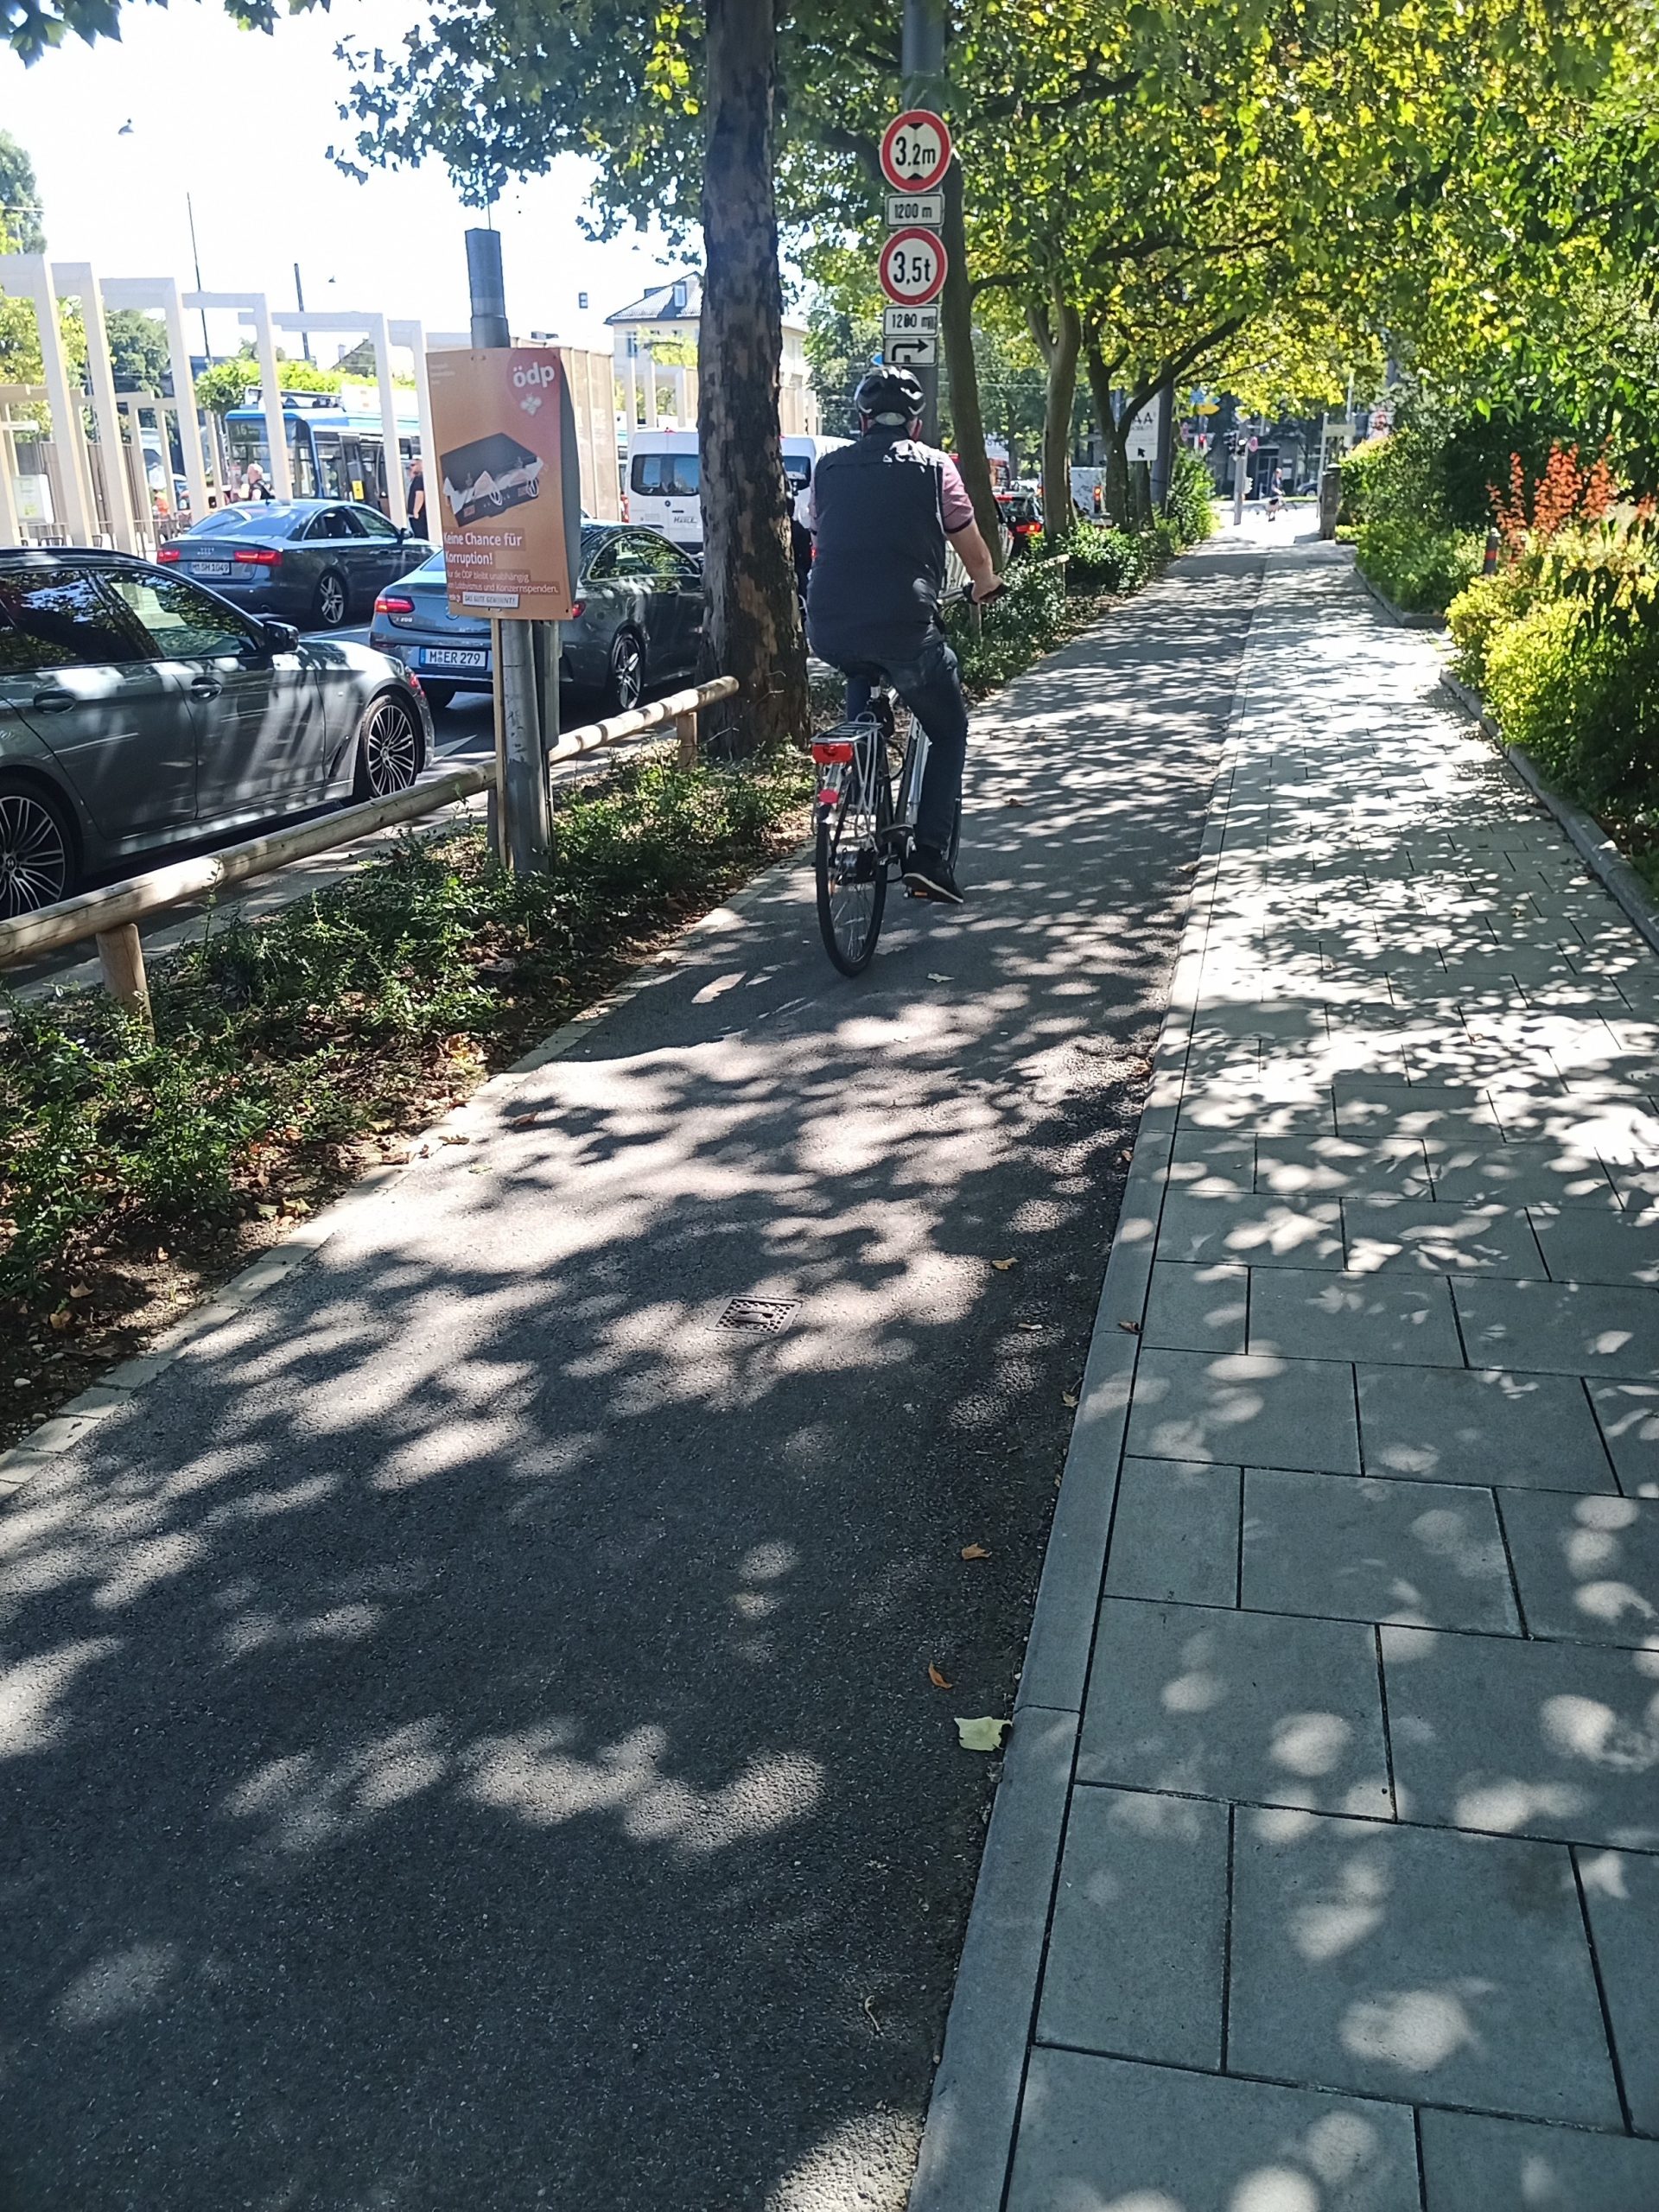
x: 333, y: 453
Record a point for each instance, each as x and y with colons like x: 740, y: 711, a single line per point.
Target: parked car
x: 138, y: 709
x: 317, y: 563
x: 1022, y: 513
x: 640, y: 620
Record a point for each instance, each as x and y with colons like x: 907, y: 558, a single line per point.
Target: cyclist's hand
x: 984, y: 598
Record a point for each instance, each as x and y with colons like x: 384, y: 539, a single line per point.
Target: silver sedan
x: 139, y: 711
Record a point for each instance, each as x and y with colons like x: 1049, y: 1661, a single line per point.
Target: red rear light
x: 259, y: 556
x: 389, y: 603
x: 828, y: 756
x: 578, y: 608
x: 166, y: 552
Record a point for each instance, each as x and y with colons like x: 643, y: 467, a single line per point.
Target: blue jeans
x: 927, y: 680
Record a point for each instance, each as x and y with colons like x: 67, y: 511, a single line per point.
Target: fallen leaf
x: 1002, y: 1266
x: 523, y: 1120
x: 1127, y: 1152
x: 1140, y: 1067
x: 937, y: 1680
x: 450, y: 1137
x: 936, y: 979
x: 1130, y: 1328
x: 1014, y: 802
x: 62, y: 1320
x: 269, y: 1213
x: 297, y: 1206
x: 985, y: 1734
x: 478, y: 1167
x: 80, y: 1290
x: 1068, y: 1397
x: 869, y: 2014
x: 975, y: 1551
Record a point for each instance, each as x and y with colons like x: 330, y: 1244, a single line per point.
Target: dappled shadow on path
x: 465, y: 1733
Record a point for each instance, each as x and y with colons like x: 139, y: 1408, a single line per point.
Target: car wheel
x: 389, y: 747
x: 628, y: 676
x: 37, y: 850
x: 438, y: 695
x: 329, y: 607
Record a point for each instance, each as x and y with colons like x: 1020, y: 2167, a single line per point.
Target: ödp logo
x: 542, y: 373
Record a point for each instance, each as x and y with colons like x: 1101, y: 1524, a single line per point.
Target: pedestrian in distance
x: 255, y: 487
x: 417, y: 499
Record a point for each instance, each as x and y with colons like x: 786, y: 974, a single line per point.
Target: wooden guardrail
x: 111, y: 916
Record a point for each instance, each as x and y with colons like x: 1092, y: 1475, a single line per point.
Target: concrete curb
x: 1594, y: 847
x: 973, y: 2109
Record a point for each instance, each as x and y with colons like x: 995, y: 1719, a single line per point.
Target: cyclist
x: 882, y: 511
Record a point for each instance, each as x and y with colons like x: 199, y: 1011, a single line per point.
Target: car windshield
x: 259, y: 518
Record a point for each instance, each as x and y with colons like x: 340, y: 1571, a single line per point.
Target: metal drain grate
x: 767, y: 1314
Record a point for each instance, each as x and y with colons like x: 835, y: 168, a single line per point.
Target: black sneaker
x: 928, y: 872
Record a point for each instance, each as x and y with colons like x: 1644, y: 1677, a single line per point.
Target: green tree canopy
x: 21, y: 218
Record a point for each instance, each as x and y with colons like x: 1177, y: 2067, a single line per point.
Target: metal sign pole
x: 922, y: 62
x: 520, y: 769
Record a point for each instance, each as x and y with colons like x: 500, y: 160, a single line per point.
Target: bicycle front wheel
x: 851, y: 865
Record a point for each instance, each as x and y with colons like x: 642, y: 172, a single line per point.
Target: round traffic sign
x: 912, y: 267
x: 915, y: 150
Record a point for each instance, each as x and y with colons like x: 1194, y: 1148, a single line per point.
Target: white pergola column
x: 252, y: 307
x: 76, y: 278
x: 24, y: 276
x: 630, y: 378
x: 650, y: 360
x: 163, y: 293
x: 413, y: 335
x: 11, y: 533
x: 380, y: 335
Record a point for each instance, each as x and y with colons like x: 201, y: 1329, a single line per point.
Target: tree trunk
x: 1114, y: 442
x: 751, y: 625
x: 957, y: 327
x: 1058, y: 332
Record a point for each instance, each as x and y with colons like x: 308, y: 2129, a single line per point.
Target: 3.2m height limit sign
x: 912, y: 267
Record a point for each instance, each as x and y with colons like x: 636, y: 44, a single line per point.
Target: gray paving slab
x: 1248, y: 1706
x: 1136, y: 1963
x: 1482, y: 1426
x: 1524, y: 1738
x: 1368, y: 1108
x: 1259, y: 1230
x: 1427, y: 1553
x: 1321, y: 1167
x: 1416, y: 1963
x: 1175, y: 1533
x: 1547, y: 1328
x: 1425, y: 1236
x: 1105, y: 2135
x: 1584, y: 1244
x: 1474, y: 2164
x: 1587, y: 1568
x: 1628, y: 1414
x: 1197, y: 1307
x: 1621, y: 1897
x: 1277, y: 1413
x: 1302, y: 1314
x: 1519, y: 1174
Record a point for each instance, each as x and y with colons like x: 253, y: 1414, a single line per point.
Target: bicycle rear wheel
x: 851, y: 863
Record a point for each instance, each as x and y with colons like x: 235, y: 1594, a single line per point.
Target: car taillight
x: 166, y: 552
x: 259, y: 556
x: 389, y: 603
x: 578, y: 608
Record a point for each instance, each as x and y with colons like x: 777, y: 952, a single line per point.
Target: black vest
x: 880, y: 565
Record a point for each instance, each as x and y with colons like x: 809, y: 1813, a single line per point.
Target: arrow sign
x: 913, y: 353
x: 911, y: 268
x: 915, y: 150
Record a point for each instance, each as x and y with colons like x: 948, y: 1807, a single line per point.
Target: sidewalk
x: 1324, y: 1872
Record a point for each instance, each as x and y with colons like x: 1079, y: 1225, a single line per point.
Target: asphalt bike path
x: 466, y: 1735
x: 1324, y: 1876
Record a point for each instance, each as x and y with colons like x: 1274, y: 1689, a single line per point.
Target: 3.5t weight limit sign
x: 915, y: 151
x: 912, y: 267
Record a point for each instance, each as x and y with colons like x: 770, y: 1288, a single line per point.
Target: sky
x: 242, y: 122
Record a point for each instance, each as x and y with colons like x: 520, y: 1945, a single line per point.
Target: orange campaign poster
x: 510, y: 501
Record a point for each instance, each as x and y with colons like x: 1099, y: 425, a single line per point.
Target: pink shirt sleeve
x: 955, y: 505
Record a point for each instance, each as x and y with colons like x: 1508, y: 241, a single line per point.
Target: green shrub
x: 1192, y: 492
x: 1480, y: 611
x: 1420, y: 567
x: 1584, y: 703
x: 1103, y: 559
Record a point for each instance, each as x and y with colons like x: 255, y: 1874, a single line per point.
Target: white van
x: 664, y: 478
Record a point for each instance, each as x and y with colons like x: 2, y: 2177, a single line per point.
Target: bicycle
x: 861, y: 842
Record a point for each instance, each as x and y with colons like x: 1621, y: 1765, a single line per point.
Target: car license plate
x: 210, y: 567
x: 451, y: 657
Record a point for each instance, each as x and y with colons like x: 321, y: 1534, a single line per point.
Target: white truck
x: 663, y: 479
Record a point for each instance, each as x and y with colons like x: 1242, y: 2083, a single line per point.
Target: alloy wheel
x: 392, y: 748
x: 331, y: 602
x: 628, y: 671
x: 34, y: 856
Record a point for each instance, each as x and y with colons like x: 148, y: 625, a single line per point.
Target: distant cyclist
x: 881, y: 512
